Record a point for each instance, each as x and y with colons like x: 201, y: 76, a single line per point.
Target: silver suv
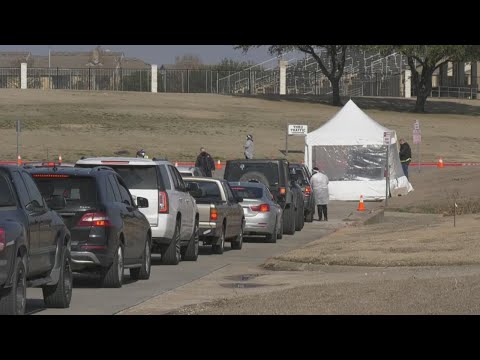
x: 172, y: 211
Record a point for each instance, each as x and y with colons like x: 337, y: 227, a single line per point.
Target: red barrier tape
x: 446, y: 164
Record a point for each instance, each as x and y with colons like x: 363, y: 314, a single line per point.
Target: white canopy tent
x: 350, y: 150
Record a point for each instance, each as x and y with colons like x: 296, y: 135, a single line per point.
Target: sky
x: 156, y: 54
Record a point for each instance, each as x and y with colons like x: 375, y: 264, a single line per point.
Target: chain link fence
x: 218, y: 82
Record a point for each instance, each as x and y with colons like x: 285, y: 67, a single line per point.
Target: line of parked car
x: 105, y: 215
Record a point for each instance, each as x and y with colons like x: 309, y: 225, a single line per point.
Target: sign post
x: 294, y: 130
x: 417, y: 139
x: 387, y: 139
x: 18, y: 129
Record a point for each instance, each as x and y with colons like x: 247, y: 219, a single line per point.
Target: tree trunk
x: 421, y: 100
x: 336, y: 101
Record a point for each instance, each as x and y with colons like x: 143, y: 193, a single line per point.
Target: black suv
x: 300, y: 173
x: 108, y: 231
x: 34, y: 245
x: 275, y: 174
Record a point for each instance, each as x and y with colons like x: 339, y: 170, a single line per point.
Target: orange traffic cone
x: 176, y: 164
x: 19, y: 160
x: 440, y: 163
x: 219, y: 165
x: 361, y: 205
x: 60, y: 159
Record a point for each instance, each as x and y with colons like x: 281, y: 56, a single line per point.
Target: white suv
x: 172, y: 211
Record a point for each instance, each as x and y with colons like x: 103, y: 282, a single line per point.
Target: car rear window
x: 239, y: 171
x: 248, y: 192
x: 299, y: 174
x: 138, y: 177
x: 6, y: 196
x: 185, y: 174
x: 208, y: 191
x: 78, y: 191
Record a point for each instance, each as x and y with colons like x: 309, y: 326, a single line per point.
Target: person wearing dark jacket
x: 205, y: 162
x: 405, y: 156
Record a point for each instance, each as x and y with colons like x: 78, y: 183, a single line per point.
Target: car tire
x: 113, y: 276
x: 219, y: 246
x: 143, y: 272
x: 280, y: 232
x: 289, y: 217
x: 14, y: 299
x: 300, y: 216
x: 58, y: 296
x: 309, y: 216
x: 172, y: 254
x: 254, y: 175
x: 272, y: 238
x: 238, y: 242
x: 191, y: 252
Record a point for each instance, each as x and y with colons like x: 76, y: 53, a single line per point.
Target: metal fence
x: 248, y: 81
x: 89, y: 79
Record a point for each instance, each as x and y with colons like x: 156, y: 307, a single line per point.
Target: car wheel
x: 14, y: 300
x: 300, y: 216
x: 280, y: 228
x: 143, y: 272
x: 219, y: 246
x: 191, y: 253
x: 272, y: 238
x: 309, y: 216
x: 289, y: 217
x: 172, y: 255
x: 238, y: 242
x: 113, y: 276
x: 59, y: 295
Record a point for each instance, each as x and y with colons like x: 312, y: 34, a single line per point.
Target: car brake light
x: 50, y: 176
x: 283, y: 191
x: 213, y: 214
x: 98, y: 219
x: 3, y: 243
x: 162, y: 202
x: 308, y: 190
x: 261, y: 208
x: 113, y: 162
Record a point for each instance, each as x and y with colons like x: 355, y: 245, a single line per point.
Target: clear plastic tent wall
x: 349, y: 149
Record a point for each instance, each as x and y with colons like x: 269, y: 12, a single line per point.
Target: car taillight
x: 283, y: 191
x: 162, y: 202
x: 261, y: 208
x: 213, y: 214
x: 308, y: 190
x: 3, y: 242
x: 97, y: 219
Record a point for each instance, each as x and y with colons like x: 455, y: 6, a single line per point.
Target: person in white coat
x: 319, y: 183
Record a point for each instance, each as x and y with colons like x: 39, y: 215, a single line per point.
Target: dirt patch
x: 76, y: 123
x: 451, y: 295
x: 401, y: 240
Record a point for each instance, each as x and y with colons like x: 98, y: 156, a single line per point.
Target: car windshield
x: 248, y: 192
x: 79, y: 192
x: 6, y: 196
x: 245, y: 171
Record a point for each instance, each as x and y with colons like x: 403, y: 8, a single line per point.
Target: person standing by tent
x: 248, y: 147
x: 319, y: 183
x: 405, y: 156
x: 205, y: 162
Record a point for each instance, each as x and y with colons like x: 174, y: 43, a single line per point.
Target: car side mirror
x: 142, y: 202
x: 57, y: 202
x: 34, y: 208
x: 239, y: 199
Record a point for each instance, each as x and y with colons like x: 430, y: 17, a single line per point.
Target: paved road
x: 89, y: 298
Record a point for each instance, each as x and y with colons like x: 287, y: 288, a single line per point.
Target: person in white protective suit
x: 319, y: 184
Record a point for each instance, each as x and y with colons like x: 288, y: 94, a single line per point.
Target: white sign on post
x: 297, y: 129
x: 387, y: 138
x: 417, y: 133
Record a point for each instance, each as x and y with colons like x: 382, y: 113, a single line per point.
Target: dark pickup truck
x: 34, y: 245
x: 275, y: 174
